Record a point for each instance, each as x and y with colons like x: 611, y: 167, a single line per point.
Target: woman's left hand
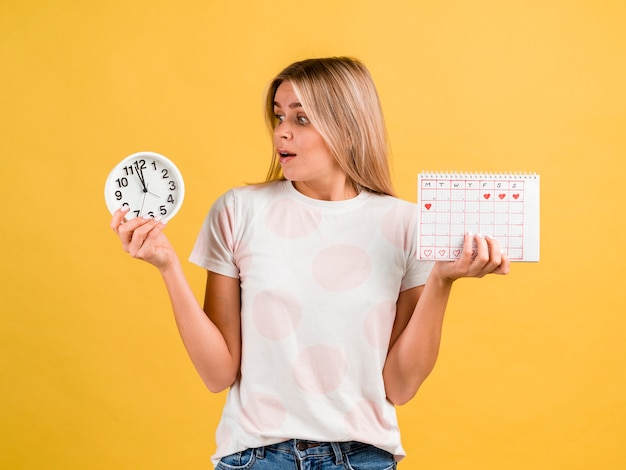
x: 480, y: 256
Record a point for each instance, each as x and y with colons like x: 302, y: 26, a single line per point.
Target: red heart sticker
x: 428, y: 252
x: 456, y: 253
x: 487, y: 196
x: 515, y: 196
x: 442, y: 252
x: 428, y: 206
x: 501, y: 196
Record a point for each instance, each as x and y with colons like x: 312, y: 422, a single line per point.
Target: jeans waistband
x: 304, y: 448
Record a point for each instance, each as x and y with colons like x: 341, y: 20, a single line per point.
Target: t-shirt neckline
x: 346, y: 204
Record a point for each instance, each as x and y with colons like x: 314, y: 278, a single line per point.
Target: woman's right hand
x: 143, y: 238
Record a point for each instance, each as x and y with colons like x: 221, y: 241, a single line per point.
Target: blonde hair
x: 341, y: 101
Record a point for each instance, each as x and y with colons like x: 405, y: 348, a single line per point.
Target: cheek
x: 320, y: 147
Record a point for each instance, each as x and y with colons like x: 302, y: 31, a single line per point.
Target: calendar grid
x: 490, y: 205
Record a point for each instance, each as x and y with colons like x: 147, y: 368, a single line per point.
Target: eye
x: 302, y: 119
x: 279, y: 117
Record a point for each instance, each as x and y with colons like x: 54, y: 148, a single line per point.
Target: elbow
x: 402, y: 396
x: 215, y: 388
x: 402, y: 390
x: 219, y: 383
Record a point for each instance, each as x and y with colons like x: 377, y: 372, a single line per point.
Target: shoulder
x: 393, y: 207
x: 249, y: 193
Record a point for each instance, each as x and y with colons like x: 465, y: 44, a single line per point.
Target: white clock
x: 148, y: 183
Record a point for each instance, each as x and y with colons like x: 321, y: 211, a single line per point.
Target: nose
x: 283, y: 131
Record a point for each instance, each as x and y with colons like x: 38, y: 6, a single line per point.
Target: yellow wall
x: 531, y: 373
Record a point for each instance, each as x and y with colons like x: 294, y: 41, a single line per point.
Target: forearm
x: 412, y: 357
x: 203, y: 341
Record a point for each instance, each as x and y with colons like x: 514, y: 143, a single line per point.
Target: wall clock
x: 148, y: 183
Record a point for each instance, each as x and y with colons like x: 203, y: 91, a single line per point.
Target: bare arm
x: 416, y: 334
x: 212, y: 339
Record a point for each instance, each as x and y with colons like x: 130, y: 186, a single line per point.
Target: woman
x: 318, y: 315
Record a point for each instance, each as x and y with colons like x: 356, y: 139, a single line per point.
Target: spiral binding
x: 479, y: 175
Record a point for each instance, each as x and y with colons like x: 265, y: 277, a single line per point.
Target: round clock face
x: 148, y: 183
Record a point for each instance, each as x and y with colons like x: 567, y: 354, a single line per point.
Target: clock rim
x: 112, y: 204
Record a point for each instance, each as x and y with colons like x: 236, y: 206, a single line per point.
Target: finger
x: 141, y: 235
x: 482, y: 252
x: 495, y: 253
x: 499, y: 262
x: 505, y: 265
x: 118, y: 217
x: 467, y: 251
x: 131, y: 230
x: 151, y: 241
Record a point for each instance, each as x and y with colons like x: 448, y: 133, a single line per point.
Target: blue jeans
x: 310, y: 455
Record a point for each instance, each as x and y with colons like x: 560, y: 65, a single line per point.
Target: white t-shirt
x: 319, y: 284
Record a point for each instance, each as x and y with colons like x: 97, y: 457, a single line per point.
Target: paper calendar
x: 504, y: 206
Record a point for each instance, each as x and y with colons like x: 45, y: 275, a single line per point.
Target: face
x: 303, y: 154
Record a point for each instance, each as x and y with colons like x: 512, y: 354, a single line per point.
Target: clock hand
x: 141, y: 178
x: 150, y: 192
x: 142, y: 203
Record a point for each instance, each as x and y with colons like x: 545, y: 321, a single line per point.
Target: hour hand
x: 141, y: 178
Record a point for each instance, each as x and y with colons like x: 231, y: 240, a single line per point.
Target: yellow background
x: 531, y: 373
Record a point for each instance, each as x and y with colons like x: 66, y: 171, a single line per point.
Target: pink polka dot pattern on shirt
x: 320, y: 369
x: 292, y: 221
x: 225, y: 219
x: 379, y: 323
x: 276, y: 314
x: 366, y: 419
x: 262, y: 411
x: 341, y: 267
x: 390, y: 226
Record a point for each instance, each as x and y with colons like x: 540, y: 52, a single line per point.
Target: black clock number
x: 165, y: 173
x: 118, y: 195
x: 170, y: 199
x: 122, y: 182
x: 172, y: 185
x: 162, y: 210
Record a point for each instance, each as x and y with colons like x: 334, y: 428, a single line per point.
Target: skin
x: 212, y: 333
x: 307, y: 161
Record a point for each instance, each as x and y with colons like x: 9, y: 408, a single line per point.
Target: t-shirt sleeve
x: 417, y: 271
x: 214, y: 247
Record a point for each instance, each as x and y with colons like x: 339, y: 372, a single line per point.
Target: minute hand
x: 141, y: 178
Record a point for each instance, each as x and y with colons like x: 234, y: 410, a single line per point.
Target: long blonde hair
x: 341, y: 101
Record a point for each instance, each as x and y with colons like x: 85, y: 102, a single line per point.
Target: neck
x: 335, y: 192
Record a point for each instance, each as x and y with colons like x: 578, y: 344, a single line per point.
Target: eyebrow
x: 291, y: 105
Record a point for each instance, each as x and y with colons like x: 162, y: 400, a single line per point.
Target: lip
x: 284, y: 155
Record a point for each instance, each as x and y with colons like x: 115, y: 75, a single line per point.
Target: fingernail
x: 157, y: 218
x: 146, y: 216
x: 125, y: 208
x: 479, y: 235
